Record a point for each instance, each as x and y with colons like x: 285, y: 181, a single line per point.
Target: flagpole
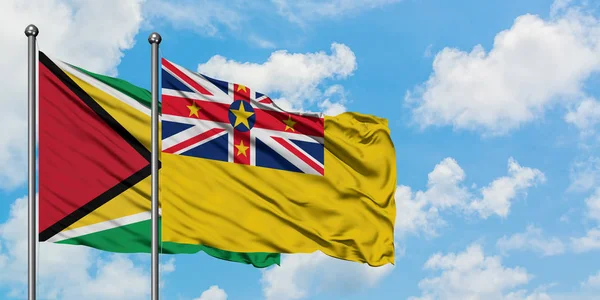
x: 31, y: 32
x: 154, y: 39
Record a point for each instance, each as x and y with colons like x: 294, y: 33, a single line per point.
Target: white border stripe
x: 230, y: 142
x: 252, y: 149
x: 230, y: 92
x: 106, y: 225
x: 104, y: 87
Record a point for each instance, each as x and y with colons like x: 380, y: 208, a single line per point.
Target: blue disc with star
x: 241, y: 115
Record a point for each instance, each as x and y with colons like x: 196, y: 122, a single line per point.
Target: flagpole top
x: 31, y: 30
x: 154, y: 38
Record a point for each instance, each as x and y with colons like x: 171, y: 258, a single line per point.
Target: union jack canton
x: 212, y: 119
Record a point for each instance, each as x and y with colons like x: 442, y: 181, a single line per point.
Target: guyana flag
x: 94, y: 165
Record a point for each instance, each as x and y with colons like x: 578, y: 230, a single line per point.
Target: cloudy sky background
x: 493, y: 108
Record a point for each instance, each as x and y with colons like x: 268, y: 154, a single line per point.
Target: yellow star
x: 193, y: 109
x: 241, y: 148
x: 289, y: 124
x: 241, y: 87
x: 241, y: 116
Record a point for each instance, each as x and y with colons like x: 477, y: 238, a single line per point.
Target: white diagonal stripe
x: 304, y: 152
x: 106, y: 225
x: 183, y: 94
x: 218, y: 135
x: 104, y: 87
x: 288, y: 135
x: 293, y: 159
x: 217, y: 94
x: 186, y: 134
x: 191, y: 121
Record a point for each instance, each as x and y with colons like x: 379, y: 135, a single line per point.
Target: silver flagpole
x: 31, y: 32
x: 154, y: 39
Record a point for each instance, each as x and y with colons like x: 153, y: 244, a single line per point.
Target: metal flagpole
x: 154, y: 39
x: 31, y: 32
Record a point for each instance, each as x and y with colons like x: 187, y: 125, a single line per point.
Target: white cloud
x: 234, y: 17
x: 593, y: 206
x: 498, y: 195
x: 589, y: 242
x: 204, y: 16
x: 117, y: 278
x: 415, y: 214
x: 301, y: 275
x: 331, y: 108
x: 585, y: 174
x: 334, y: 102
x: 443, y: 185
x: 585, y: 117
x: 559, y: 6
x: 532, y: 239
x: 420, y: 211
x: 472, y: 275
x: 532, y: 66
x: 213, y: 293
x: 168, y: 266
x: 588, y: 291
x: 261, y: 42
x: 91, y: 34
x: 89, y: 275
x: 522, y: 295
x: 592, y: 282
x: 301, y: 11
x: 428, y: 52
x: 295, y: 77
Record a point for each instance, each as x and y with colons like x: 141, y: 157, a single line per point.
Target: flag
x: 241, y: 174
x: 94, y: 165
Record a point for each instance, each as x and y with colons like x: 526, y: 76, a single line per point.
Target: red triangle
x: 80, y: 155
x: 266, y: 101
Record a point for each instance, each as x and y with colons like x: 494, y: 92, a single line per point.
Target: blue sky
x: 492, y: 109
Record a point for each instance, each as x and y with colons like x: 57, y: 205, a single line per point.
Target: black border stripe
x: 120, y: 130
x: 91, y: 103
